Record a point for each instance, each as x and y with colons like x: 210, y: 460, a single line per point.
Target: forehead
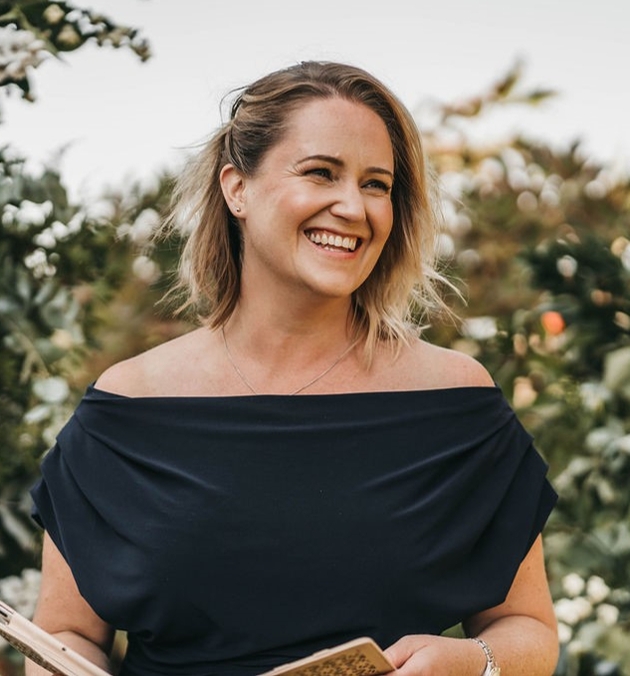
x: 334, y: 126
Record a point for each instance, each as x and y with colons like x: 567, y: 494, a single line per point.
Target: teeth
x: 349, y: 243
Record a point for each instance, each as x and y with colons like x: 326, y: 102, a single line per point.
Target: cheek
x: 386, y: 221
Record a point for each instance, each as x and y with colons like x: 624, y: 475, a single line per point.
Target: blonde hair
x: 401, y: 294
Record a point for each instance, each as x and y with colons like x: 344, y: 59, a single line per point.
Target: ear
x: 233, y: 186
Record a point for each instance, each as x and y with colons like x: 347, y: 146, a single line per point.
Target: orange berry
x: 553, y: 322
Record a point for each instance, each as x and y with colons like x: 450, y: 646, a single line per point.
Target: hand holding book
x: 360, y: 657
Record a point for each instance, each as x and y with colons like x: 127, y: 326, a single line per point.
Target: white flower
x: 8, y: 214
x: 490, y: 170
x: 594, y: 395
x: 550, y: 196
x: 76, y: 222
x: 37, y: 414
x: 596, y: 589
x: 567, y: 266
x: 37, y: 261
x: 583, y: 607
x: 100, y: 210
x: 595, y: 190
x: 32, y: 578
x: 68, y: 36
x: 21, y: 592
x: 623, y: 444
x: 565, y: 632
x: 512, y: 158
x: 46, y: 239
x: 143, y: 227
x: 571, y: 611
x: 453, y: 183
x: 576, y: 647
x: 607, y: 614
x: 527, y: 201
x: 53, y: 14
x: 597, y: 439
x: 10, y: 588
x: 480, y: 328
x: 518, y: 179
x: 52, y: 390
x: 145, y: 269
x: 59, y: 230
x: 445, y: 246
x: 19, y: 49
x: 33, y: 213
x: 573, y: 584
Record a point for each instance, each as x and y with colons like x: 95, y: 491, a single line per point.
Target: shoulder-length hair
x: 401, y: 294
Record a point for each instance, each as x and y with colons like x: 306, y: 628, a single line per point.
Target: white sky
x: 124, y: 119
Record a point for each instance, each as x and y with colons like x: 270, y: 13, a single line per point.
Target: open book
x: 361, y: 657
x: 44, y: 649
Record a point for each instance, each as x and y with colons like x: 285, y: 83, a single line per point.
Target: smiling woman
x: 321, y: 185
x: 360, y: 112
x: 234, y: 526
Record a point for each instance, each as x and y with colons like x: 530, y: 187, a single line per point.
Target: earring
x: 238, y: 210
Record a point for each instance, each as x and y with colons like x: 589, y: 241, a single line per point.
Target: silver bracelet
x: 492, y: 668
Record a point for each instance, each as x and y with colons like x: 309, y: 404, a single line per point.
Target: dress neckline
x: 437, y: 391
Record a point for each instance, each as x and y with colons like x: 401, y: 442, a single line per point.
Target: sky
x: 120, y: 120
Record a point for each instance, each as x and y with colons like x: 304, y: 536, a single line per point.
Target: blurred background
x: 524, y: 111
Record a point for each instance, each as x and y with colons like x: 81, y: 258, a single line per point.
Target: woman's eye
x: 322, y: 172
x: 379, y: 186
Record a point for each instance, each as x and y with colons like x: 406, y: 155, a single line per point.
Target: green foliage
x: 541, y: 238
x: 35, y: 29
x: 56, y: 265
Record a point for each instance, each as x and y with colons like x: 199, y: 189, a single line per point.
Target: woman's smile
x: 332, y: 242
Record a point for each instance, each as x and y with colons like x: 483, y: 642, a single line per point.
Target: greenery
x: 538, y: 234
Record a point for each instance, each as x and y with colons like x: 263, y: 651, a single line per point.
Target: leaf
x: 617, y: 368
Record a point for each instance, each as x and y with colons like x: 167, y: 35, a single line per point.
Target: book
x: 359, y: 657
x: 38, y: 645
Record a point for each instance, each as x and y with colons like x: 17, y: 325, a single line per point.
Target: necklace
x: 250, y: 387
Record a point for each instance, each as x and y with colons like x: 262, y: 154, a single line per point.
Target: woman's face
x: 318, y: 211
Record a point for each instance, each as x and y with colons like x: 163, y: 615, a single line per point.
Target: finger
x: 399, y: 652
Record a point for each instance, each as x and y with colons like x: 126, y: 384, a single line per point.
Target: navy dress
x: 228, y: 535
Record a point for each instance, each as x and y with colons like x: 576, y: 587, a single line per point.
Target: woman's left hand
x: 427, y: 655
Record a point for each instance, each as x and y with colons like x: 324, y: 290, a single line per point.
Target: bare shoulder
x: 431, y: 366
x: 172, y: 368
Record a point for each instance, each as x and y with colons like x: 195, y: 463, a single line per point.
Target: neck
x: 303, y: 326
x: 281, y: 351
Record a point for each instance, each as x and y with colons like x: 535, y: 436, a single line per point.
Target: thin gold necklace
x: 242, y: 376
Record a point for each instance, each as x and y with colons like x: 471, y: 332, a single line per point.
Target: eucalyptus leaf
x: 38, y: 414
x: 617, y: 369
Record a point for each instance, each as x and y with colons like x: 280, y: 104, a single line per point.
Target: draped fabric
x: 228, y: 535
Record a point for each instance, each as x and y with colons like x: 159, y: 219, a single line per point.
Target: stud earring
x: 238, y: 210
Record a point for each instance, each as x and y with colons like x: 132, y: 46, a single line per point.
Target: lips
x: 331, y: 241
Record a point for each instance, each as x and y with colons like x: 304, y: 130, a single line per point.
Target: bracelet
x: 492, y: 668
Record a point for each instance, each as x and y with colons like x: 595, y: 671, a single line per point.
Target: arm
x: 521, y: 632
x: 64, y: 613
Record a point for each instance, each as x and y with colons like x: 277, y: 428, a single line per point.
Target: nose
x: 348, y: 203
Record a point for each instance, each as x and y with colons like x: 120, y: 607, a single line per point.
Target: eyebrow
x: 339, y: 163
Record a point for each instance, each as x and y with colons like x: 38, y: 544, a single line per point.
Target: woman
x: 229, y: 526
